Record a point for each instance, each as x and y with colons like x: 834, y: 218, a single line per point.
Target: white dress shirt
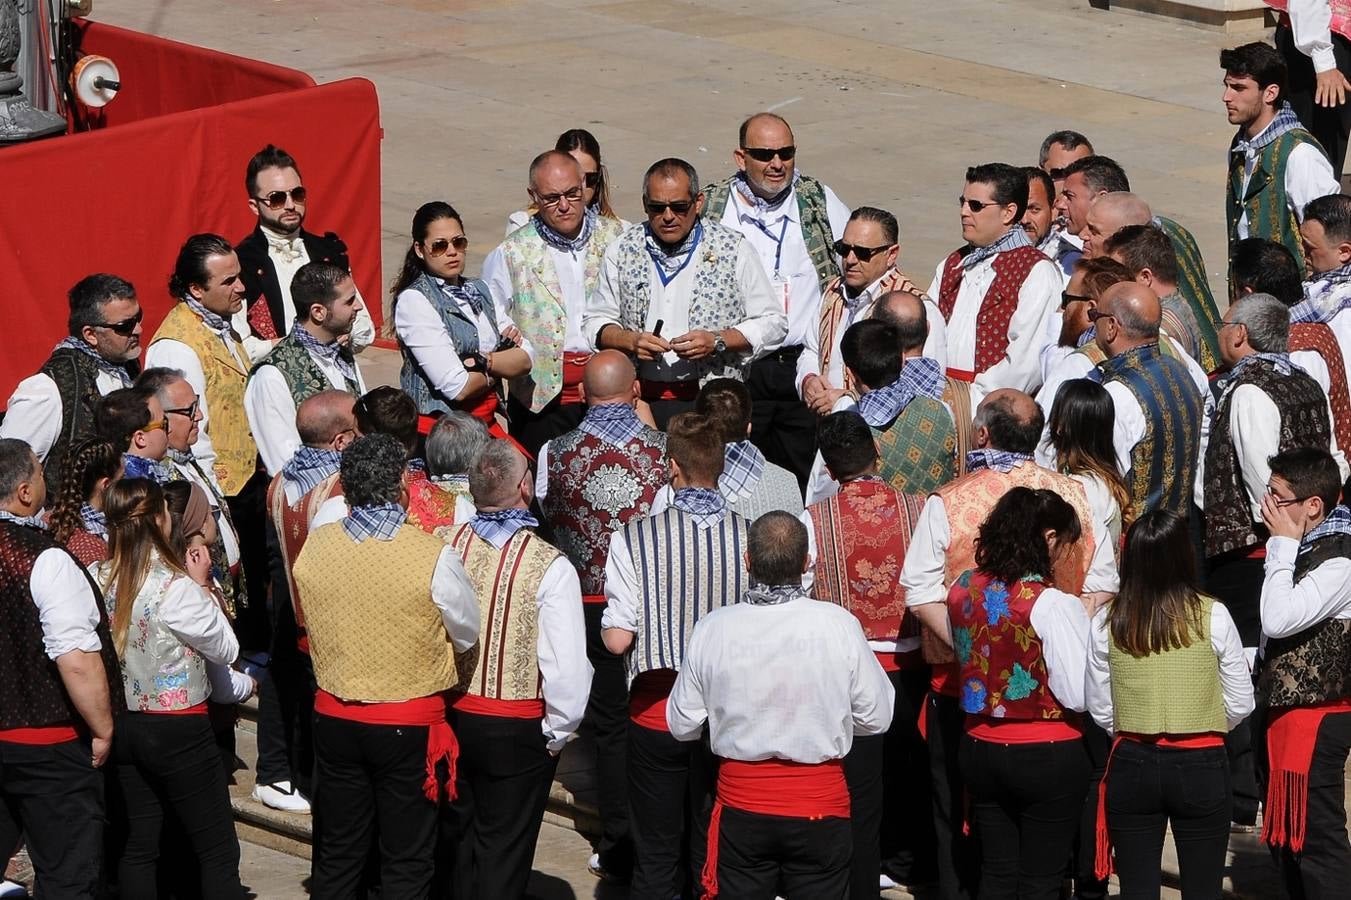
x: 793, y: 681
x: 1311, y: 27
x: 1038, y: 299
x: 194, y: 617
x: 763, y: 327
x: 1289, y: 607
x: 1308, y: 176
x: 565, y: 673
x: 453, y: 594
x: 67, y: 607
x: 1234, y: 674
x: 1106, y: 511
x: 34, y: 412
x: 272, y: 410
x: 1062, y: 626
x: 786, y: 262
x: 569, y: 267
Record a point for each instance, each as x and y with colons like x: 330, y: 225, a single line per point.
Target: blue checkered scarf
x: 1285, y: 120
x: 381, y: 522
x: 568, y: 245
x: 497, y: 527
x: 1337, y: 522
x: 705, y: 505
x: 140, y: 467
x: 743, y: 464
x: 1318, y: 305
x: 336, y: 354
x: 999, y: 460
x: 920, y: 377
x: 463, y: 293
x: 614, y: 423
x: 1014, y: 238
x: 112, y: 368
x: 1087, y: 337
x: 217, y: 324
x: 94, y: 521
x: 309, y: 466
x: 31, y: 521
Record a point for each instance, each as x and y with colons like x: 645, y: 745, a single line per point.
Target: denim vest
x: 463, y: 335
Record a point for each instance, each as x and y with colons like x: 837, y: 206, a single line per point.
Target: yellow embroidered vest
x: 504, y: 664
x: 236, y: 453
x: 374, y: 644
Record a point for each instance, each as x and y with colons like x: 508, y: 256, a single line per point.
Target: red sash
x: 594, y: 599
x: 38, y: 737
x: 670, y: 390
x: 647, y: 699
x: 1291, y: 736
x: 961, y: 375
x: 428, y: 711
x: 198, y: 710
x: 574, y: 367
x: 503, y: 709
x: 1023, y: 731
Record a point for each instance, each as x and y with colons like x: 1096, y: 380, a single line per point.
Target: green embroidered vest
x: 1193, y: 285
x: 1265, y: 200
x: 811, y: 208
x: 303, y: 376
x: 1174, y: 692
x: 919, y: 448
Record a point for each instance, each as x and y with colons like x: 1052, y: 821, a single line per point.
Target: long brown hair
x: 1082, y: 419
x: 133, y: 507
x: 1158, y: 607
x: 87, y: 463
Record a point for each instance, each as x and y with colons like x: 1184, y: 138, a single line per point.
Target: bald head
x: 324, y: 416
x: 1136, y: 309
x: 1008, y: 420
x: 905, y: 312
x: 553, y: 162
x: 1108, y: 214
x: 609, y: 378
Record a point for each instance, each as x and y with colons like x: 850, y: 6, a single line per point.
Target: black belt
x: 784, y: 354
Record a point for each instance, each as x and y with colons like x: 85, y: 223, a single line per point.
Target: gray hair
x: 455, y: 443
x: 17, y: 464
x: 1267, y: 320
x: 670, y: 168
x: 156, y: 380
x: 371, y: 471
x: 494, y: 477
x: 777, y: 546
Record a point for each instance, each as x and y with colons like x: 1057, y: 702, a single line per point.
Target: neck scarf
x: 1285, y: 120
x: 497, y: 527
x: 381, y: 522
x: 772, y: 594
x: 214, y: 322
x: 33, y: 521
x: 565, y: 244
x: 743, y: 465
x: 309, y: 466
x: 705, y: 505
x: 670, y: 262
x: 758, y: 203
x: 999, y: 460
x: 1086, y: 337
x: 1338, y: 521
x: 1014, y: 238
x: 94, y: 521
x: 1280, y: 360
x: 1322, y: 301
x: 140, y: 467
x: 288, y: 247
x: 455, y: 482
x: 920, y: 377
x: 335, y: 353
x: 117, y: 371
x: 462, y: 293
x: 614, y: 423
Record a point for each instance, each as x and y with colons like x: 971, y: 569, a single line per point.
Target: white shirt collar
x: 787, y: 209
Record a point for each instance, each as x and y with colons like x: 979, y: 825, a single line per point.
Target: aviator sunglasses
x: 441, y: 246
x: 277, y: 199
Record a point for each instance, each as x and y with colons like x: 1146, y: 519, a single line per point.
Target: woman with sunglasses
x: 77, y: 518
x: 454, y: 342
x: 166, y: 626
x: 582, y: 146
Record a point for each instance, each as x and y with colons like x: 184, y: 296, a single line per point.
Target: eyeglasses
x: 1282, y: 502
x: 1066, y: 298
x: 656, y: 208
x: 156, y: 426
x: 441, y: 246
x: 125, y: 328
x: 862, y: 254
x: 277, y: 199
x: 976, y: 205
x: 187, y: 411
x: 591, y: 179
x: 552, y: 200
x: 767, y: 154
x: 1096, y: 314
x: 1057, y: 174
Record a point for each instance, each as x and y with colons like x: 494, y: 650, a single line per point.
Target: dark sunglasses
x: 591, y: 179
x: 976, y: 205
x: 1095, y: 314
x: 766, y: 154
x: 1057, y: 174
x: 277, y: 199
x: 441, y: 246
x: 186, y: 411
x: 862, y: 254
x: 679, y: 207
x: 125, y: 328
x: 1066, y: 298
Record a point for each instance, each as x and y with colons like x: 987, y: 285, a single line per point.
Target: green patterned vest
x: 538, y: 307
x: 1265, y: 200
x: 811, y: 208
x: 1194, y: 287
x: 1175, y: 692
x: 919, y: 448
x: 303, y: 376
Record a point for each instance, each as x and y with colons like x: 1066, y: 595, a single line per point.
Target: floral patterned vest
x: 1011, y: 269
x: 293, y: 526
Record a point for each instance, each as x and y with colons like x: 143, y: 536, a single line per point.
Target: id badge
x: 783, y: 289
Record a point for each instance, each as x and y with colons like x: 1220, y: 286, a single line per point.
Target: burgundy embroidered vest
x: 1011, y: 269
x: 862, y: 534
x: 596, y: 488
x: 293, y: 526
x: 1003, y: 673
x: 1319, y: 338
x: 87, y: 547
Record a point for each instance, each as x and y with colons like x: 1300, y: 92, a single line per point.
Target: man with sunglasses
x: 276, y: 249
x: 698, y: 280
x: 54, y: 408
x: 133, y: 421
x: 792, y: 221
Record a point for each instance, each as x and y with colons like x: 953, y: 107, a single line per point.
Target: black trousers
x: 172, y: 764
x: 1026, y: 800
x: 889, y: 794
x: 1330, y: 126
x: 286, y: 694
x: 607, y: 712
x: 670, y: 800
x: 53, y: 797
x: 368, y: 786
x: 663, y: 411
x: 1150, y: 787
x: 1322, y: 870
x: 1087, y: 886
x: 1237, y: 582
x: 534, y: 430
x: 248, y: 511
x: 958, y: 855
x: 505, y: 771
x: 761, y: 857
x: 782, y: 426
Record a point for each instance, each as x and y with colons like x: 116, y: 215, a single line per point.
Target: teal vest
x: 919, y: 448
x: 1265, y: 200
x: 811, y: 208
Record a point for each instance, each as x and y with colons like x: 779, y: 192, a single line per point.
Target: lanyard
x: 778, y: 241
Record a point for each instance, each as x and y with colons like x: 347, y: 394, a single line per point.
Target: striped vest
x: 1265, y: 200
x: 833, y: 309
x: 292, y: 522
x: 812, y: 213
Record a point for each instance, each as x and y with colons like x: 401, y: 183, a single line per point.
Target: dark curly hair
x: 371, y: 470
x: 1010, y: 546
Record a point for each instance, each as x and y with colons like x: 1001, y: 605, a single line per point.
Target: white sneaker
x: 280, y: 795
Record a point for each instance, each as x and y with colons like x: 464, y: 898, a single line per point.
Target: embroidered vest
x: 1163, y: 462
x: 32, y: 693
x: 293, y: 526
x: 1341, y: 14
x: 75, y: 375
x: 1011, y: 269
x: 812, y: 213
x: 1304, y: 423
x: 919, y: 447
x: 1319, y: 338
x: 715, y: 298
x: 776, y: 491
x: 684, y: 573
x: 464, y: 338
x: 1178, y: 316
x: 504, y: 664
x: 303, y: 375
x: 957, y: 398
x: 86, y: 547
x: 1265, y: 200
x: 1173, y: 692
x: 1313, y: 666
x: 1194, y: 287
x: 538, y: 308
x: 375, y: 646
x: 833, y: 309
x: 236, y: 453
x: 596, y: 488
x: 432, y: 504
x: 1003, y: 673
x: 862, y: 535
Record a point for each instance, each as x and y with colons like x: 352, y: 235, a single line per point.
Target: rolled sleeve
x: 67, y: 607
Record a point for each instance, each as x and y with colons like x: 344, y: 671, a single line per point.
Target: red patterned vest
x: 431, y: 506
x: 595, y: 489
x: 293, y: 527
x: 1011, y: 269
x: 1319, y: 338
x: 1341, y: 15
x: 1003, y: 674
x: 862, y: 534
x: 88, y: 547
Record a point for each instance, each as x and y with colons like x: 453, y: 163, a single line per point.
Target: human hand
x: 647, y: 346
x: 198, y: 564
x: 1278, y: 519
x: 824, y: 402
x: 512, y: 333
x: 694, y: 344
x: 1331, y: 88
x: 811, y: 386
x: 100, y: 748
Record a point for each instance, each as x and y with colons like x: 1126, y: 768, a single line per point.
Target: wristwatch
x: 719, y: 345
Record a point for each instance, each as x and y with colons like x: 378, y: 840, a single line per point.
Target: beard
x: 272, y: 222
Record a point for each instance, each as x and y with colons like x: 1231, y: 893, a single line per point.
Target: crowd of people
x: 853, y: 582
